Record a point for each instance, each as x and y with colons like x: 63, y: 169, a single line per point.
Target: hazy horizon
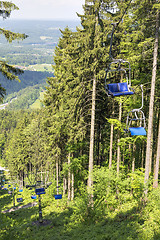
x: 48, y: 9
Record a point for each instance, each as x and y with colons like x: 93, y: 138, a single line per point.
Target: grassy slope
x: 37, y: 104
x: 41, y: 67
x: 125, y: 224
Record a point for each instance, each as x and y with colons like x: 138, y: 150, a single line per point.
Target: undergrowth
x: 117, y: 212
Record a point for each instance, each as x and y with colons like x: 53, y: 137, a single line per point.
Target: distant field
x: 41, y: 67
x: 38, y: 104
x: 38, y: 48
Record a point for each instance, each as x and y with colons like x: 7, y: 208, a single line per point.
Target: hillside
x: 25, y: 98
x: 28, y: 78
x: 38, y: 48
x: 34, y: 55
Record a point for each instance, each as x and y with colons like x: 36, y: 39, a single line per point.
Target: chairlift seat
x: 20, y: 190
x: 58, y: 196
x: 33, y: 196
x: 40, y: 191
x: 19, y: 199
x: 118, y: 89
x: 136, y: 131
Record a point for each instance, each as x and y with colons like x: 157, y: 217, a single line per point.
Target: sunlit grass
x: 41, y: 67
x: 127, y: 222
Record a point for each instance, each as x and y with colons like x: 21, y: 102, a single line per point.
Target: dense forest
x: 79, y: 140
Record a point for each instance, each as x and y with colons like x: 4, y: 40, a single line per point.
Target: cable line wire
x: 115, y: 25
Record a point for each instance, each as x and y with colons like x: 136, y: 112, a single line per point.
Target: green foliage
x: 6, y: 8
x: 117, y: 124
x: 82, y: 209
x: 137, y: 183
x: 79, y: 220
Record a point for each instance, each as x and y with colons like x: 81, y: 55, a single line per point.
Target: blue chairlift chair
x: 40, y: 191
x: 20, y: 199
x: 118, y: 88
x: 33, y: 197
x: 136, y: 116
x: 58, y: 196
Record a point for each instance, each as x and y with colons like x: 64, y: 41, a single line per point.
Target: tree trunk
x: 69, y: 177
x: 134, y: 157
x: 91, y: 149
x: 99, y: 145
x: 118, y: 141
x: 64, y: 186
x: 111, y: 146
x: 142, y: 156
x: 57, y: 175
x: 156, y: 169
x: 130, y: 156
x: 72, y: 187
x: 119, y: 133
x: 151, y: 105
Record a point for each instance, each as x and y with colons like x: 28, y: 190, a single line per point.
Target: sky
x: 47, y: 9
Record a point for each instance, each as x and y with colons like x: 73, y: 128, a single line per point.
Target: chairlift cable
x: 115, y: 25
x: 141, y: 83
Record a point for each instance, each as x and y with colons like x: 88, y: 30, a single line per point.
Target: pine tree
x: 9, y: 71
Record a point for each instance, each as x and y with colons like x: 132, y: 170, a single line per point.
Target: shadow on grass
x: 125, y: 225
x: 156, y: 237
x: 5, y: 199
x: 14, y: 224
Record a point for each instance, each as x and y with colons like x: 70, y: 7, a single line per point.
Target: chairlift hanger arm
x: 111, y: 42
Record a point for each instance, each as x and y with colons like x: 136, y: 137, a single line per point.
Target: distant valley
x: 34, y: 55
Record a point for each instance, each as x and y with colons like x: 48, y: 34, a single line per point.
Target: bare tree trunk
x: 119, y: 133
x: 156, y: 169
x: 91, y: 149
x: 150, y: 162
x: 151, y: 105
x: 41, y: 175
x: 118, y: 141
x: 57, y: 174
x: 64, y: 186
x: 69, y: 177
x: 111, y: 146
x: 142, y: 156
x: 72, y: 187
x: 46, y: 177
x: 133, y: 160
